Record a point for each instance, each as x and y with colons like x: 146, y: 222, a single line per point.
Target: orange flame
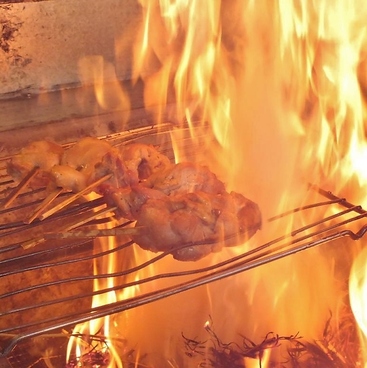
x: 358, y: 297
x: 279, y: 85
x: 109, y: 92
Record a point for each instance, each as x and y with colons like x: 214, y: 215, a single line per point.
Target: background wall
x: 41, y: 43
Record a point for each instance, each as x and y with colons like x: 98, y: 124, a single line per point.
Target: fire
x: 109, y: 92
x: 280, y: 87
x: 273, y: 97
x: 358, y: 294
x: 93, y: 341
x: 99, y: 336
x: 185, y: 38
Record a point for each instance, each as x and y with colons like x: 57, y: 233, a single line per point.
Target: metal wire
x: 48, y: 313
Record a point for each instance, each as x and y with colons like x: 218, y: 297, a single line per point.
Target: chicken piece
x: 144, y: 159
x: 201, y: 221
x: 112, y: 163
x: 185, y: 177
x: 84, y: 155
x: 129, y: 165
x: 129, y: 199
x: 42, y: 154
x: 68, y: 178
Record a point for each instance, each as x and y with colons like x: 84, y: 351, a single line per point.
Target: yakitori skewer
x: 81, y: 220
x: 20, y: 187
x: 44, y: 204
x: 94, y: 233
x: 74, y: 197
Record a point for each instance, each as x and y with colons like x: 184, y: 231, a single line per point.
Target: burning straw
x: 338, y: 348
x: 96, y: 352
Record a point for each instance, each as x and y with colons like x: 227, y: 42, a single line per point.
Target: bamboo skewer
x: 79, y: 222
x: 74, y: 197
x: 18, y: 189
x: 49, y: 199
x: 94, y: 233
x: 89, y: 217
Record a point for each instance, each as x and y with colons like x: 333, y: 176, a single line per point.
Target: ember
x: 336, y: 349
x: 93, y: 359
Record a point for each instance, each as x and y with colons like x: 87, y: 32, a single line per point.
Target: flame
x: 109, y: 92
x: 325, y: 59
x: 110, y: 96
x: 273, y: 96
x: 358, y: 297
x: 185, y: 38
x: 99, y: 335
x: 280, y: 86
x: 98, y: 328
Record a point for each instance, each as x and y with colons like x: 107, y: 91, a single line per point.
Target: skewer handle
x: 18, y: 189
x: 94, y: 233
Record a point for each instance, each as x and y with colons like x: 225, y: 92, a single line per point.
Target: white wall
x: 42, y: 42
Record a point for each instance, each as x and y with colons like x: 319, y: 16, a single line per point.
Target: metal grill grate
x: 46, y: 284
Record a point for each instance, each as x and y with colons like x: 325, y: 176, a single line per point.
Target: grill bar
x: 55, y: 264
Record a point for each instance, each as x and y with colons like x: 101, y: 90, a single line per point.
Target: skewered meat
x: 131, y: 164
x: 129, y: 199
x: 180, y: 208
x: 77, y: 169
x: 85, y: 162
x: 206, y: 222
x: 71, y: 169
x: 113, y: 163
x: 185, y: 204
x: 68, y: 178
x: 42, y: 154
x: 181, y: 178
x: 144, y: 159
x: 185, y: 177
x: 85, y: 154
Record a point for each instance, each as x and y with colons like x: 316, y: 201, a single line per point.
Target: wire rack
x: 46, y: 284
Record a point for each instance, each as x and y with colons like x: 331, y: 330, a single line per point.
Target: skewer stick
x: 94, y: 233
x: 80, y: 221
x: 18, y: 189
x: 32, y: 242
x: 49, y: 199
x: 89, y: 217
x: 74, y: 197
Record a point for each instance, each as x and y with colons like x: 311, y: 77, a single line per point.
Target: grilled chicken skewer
x: 175, y: 204
x: 58, y: 170
x: 185, y: 204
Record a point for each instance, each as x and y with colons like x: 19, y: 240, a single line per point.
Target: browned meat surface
x: 129, y: 199
x: 144, y: 159
x: 205, y: 222
x: 130, y: 164
x: 72, y: 169
x: 66, y: 177
x: 42, y: 154
x: 185, y: 177
x: 185, y: 204
x: 113, y: 163
x: 85, y: 154
x: 174, y: 204
x: 77, y: 169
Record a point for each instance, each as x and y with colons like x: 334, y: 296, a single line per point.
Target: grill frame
x: 327, y: 230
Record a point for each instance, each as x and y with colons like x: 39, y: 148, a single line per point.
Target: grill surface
x: 47, y: 284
